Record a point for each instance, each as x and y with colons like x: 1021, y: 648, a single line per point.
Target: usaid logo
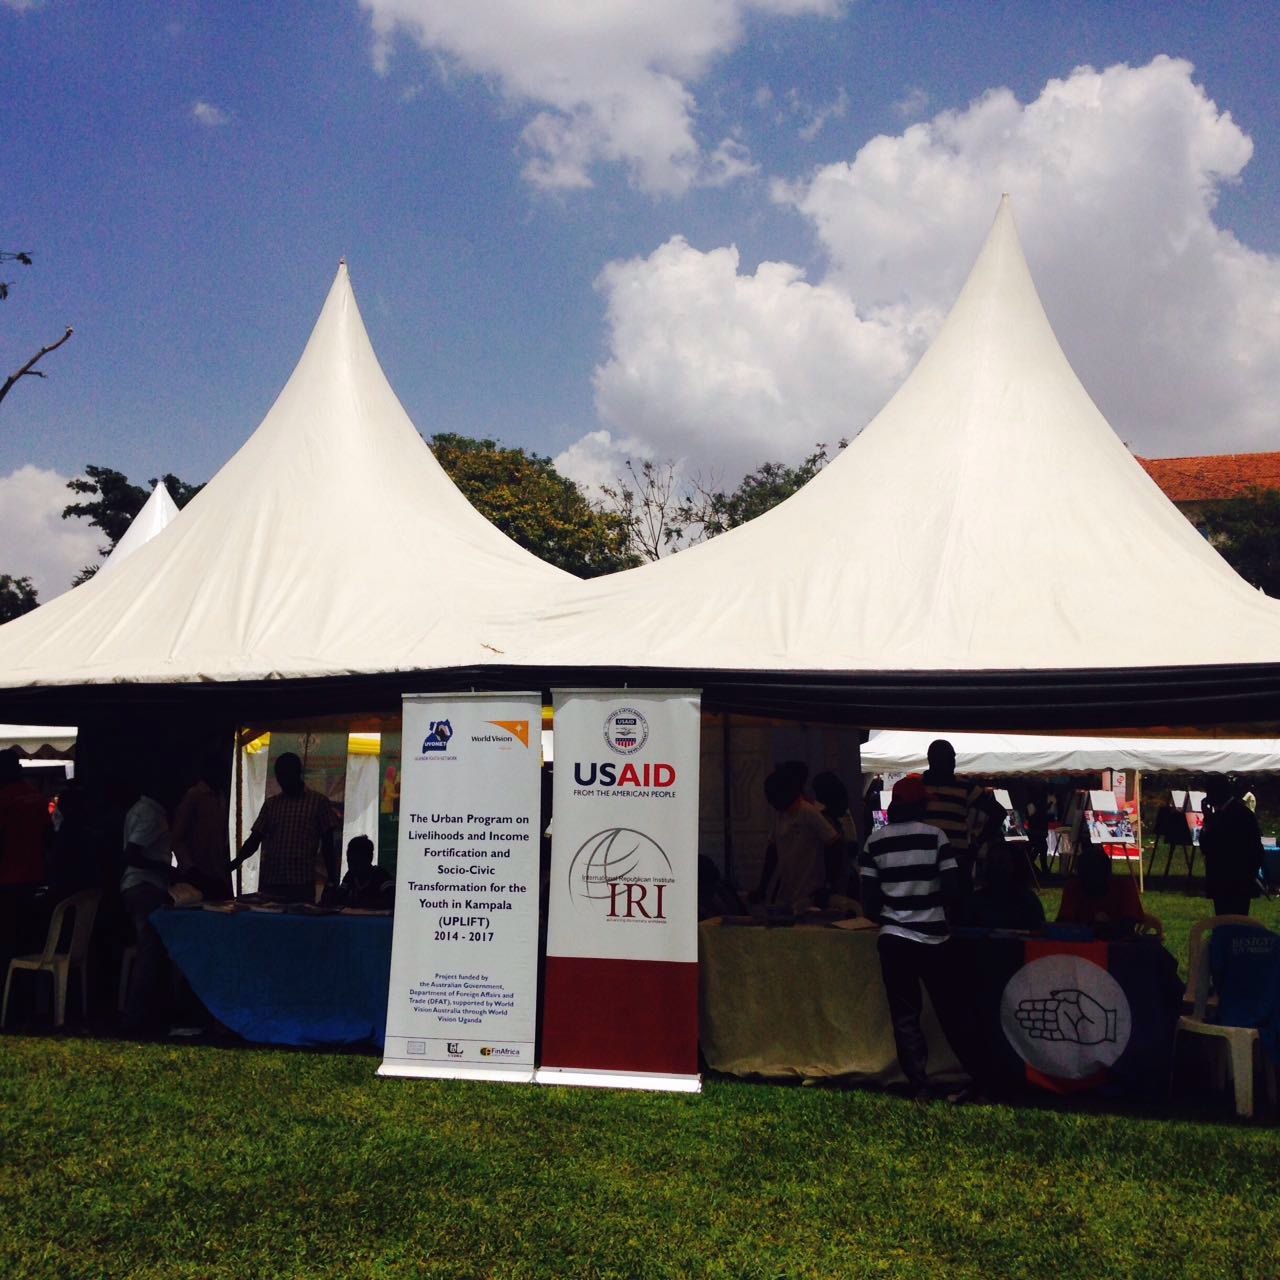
x: 625, y: 731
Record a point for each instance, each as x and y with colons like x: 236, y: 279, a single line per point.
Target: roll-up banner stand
x: 464, y: 951
x: 620, y: 1004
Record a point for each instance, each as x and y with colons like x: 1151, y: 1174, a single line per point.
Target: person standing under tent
x: 292, y: 829
x: 801, y: 844
x: 144, y: 886
x: 200, y: 837
x: 909, y: 880
x: 832, y: 797
x: 24, y: 831
x: 1231, y: 842
x: 951, y: 807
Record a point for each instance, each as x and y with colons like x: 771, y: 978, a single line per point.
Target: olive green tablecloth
x: 801, y: 1001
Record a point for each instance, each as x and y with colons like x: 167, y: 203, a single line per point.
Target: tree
x: 662, y: 515
x: 111, y: 502
x: 17, y: 596
x: 27, y: 370
x: 765, y: 487
x: 649, y: 502
x: 534, y: 505
x: 1246, y: 530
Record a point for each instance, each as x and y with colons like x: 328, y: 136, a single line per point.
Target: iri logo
x: 624, y: 870
x: 438, y: 737
x: 625, y: 731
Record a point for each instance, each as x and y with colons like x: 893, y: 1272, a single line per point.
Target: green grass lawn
x: 149, y: 1160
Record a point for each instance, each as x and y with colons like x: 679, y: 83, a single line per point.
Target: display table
x: 278, y: 978
x: 1056, y: 1012
x: 802, y: 1001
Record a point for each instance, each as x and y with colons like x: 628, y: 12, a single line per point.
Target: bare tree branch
x: 29, y: 369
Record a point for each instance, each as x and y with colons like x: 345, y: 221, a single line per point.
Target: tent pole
x: 1137, y: 822
x: 726, y: 792
x: 239, y: 809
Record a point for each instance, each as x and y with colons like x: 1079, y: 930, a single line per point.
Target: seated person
x: 1004, y: 899
x: 1094, y: 896
x: 365, y: 885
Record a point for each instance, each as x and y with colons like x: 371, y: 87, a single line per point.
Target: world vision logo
x: 513, y: 731
x: 516, y: 728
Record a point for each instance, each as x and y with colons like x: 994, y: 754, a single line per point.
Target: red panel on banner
x: 1092, y: 951
x: 621, y: 1015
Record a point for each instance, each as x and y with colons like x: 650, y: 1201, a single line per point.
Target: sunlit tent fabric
x: 31, y: 738
x: 906, y: 751
x: 332, y: 542
x: 961, y: 547
x: 158, y: 512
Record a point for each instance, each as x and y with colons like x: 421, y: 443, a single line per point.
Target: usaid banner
x: 464, y: 949
x: 621, y: 985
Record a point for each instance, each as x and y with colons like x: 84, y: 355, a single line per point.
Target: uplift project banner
x: 621, y: 984
x: 463, y: 994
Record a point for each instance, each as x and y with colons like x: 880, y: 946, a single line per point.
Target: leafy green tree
x: 17, y: 596
x: 534, y: 505
x: 111, y: 502
x: 662, y: 514
x: 1246, y: 530
x: 765, y: 487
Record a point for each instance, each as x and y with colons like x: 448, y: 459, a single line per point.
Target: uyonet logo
x: 625, y: 731
x: 626, y: 871
x: 438, y: 736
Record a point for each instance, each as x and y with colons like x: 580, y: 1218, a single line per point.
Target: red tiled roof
x: 1216, y: 475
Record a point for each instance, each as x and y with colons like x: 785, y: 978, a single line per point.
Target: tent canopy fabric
x: 158, y: 512
x: 36, y: 737
x: 900, y: 751
x: 259, y: 578
x: 971, y: 527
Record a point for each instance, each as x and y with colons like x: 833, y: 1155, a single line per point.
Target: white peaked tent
x: 962, y: 547
x: 259, y: 576
x: 157, y: 513
x: 906, y: 751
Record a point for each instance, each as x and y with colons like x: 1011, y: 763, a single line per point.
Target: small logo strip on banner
x: 625, y: 731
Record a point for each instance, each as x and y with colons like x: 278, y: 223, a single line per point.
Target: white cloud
x: 598, y: 459
x: 722, y: 371
x: 912, y: 103
x: 22, y: 6
x: 38, y: 543
x: 832, y: 111
x: 610, y: 83
x: 1171, y: 322
x: 207, y: 114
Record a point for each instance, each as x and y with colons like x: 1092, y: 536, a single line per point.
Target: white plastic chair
x: 84, y: 905
x: 1242, y: 1043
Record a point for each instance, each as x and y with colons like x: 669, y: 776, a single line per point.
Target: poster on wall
x: 621, y: 987
x: 462, y: 1000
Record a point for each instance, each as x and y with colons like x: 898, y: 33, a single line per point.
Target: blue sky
x: 641, y: 228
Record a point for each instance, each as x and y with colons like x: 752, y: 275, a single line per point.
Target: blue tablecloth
x: 286, y: 979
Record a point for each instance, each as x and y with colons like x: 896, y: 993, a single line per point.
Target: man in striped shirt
x: 951, y: 807
x: 909, y: 878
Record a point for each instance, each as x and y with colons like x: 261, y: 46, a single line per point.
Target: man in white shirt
x: 144, y: 886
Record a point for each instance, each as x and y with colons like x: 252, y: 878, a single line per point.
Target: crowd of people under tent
x: 142, y: 852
